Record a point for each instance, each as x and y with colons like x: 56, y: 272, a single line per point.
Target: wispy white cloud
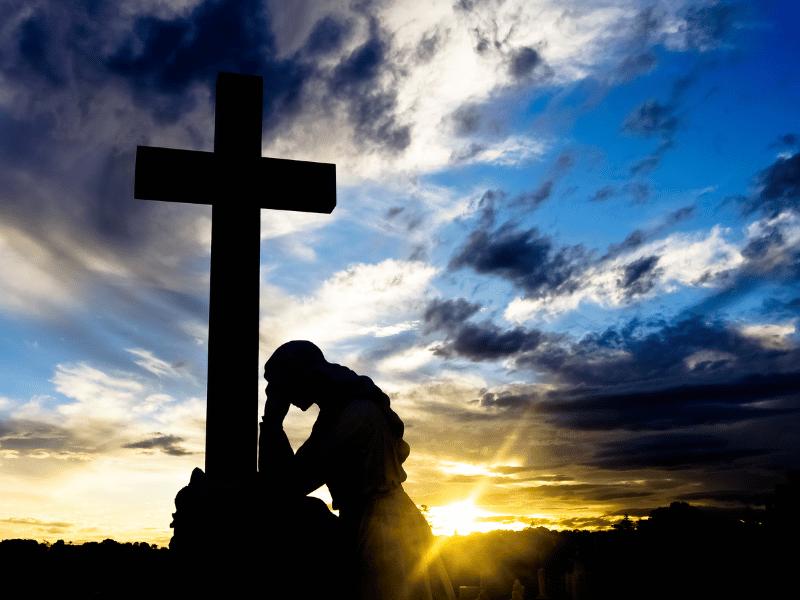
x: 348, y: 304
x: 684, y: 260
x: 153, y: 364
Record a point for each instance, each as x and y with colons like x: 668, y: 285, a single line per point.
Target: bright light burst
x: 458, y: 516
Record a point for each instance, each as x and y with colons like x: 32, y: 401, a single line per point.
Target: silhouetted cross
x: 237, y: 182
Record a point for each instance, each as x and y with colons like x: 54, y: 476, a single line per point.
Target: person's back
x: 355, y: 448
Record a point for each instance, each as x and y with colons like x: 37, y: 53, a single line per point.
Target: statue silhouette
x: 356, y: 448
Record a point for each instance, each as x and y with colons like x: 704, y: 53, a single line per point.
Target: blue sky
x: 565, y: 244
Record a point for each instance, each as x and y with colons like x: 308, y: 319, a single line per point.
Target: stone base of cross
x: 237, y: 183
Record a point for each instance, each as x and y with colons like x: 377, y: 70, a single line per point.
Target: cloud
x: 603, y: 194
x: 675, y: 407
x: 679, y: 260
x: 788, y: 140
x: 635, y: 65
x: 779, y: 188
x: 510, y: 151
x: 107, y: 410
x: 486, y: 341
x: 362, y: 296
x: 162, y: 58
x: 50, y: 526
x: 639, y: 277
x: 652, y: 118
x: 466, y: 119
x: 523, y: 61
x: 327, y: 37
x: 448, y: 315
x: 507, y: 400
x: 523, y: 257
x: 531, y: 200
x: 167, y: 443
x: 710, y: 25
x: 357, y: 80
x: 153, y: 364
x: 30, y: 437
x: 671, y: 451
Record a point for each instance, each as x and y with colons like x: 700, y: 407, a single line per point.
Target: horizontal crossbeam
x: 211, y: 178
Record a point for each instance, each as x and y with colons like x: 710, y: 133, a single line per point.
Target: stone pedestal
x: 231, y: 538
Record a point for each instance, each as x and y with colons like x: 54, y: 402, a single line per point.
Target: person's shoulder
x: 363, y: 411
x: 362, y: 406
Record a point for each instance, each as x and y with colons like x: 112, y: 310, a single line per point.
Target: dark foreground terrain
x: 679, y: 552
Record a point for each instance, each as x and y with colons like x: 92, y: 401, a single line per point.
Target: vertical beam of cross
x: 232, y: 400
x: 237, y: 182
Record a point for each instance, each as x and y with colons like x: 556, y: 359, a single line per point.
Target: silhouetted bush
x: 680, y: 551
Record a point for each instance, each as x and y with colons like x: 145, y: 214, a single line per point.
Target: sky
x: 566, y: 244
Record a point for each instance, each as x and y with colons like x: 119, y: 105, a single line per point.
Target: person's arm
x: 274, y: 450
x: 276, y: 459
x: 341, y: 450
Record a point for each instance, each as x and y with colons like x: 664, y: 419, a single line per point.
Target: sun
x: 459, y: 516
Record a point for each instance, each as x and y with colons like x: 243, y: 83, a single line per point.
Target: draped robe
x: 355, y: 449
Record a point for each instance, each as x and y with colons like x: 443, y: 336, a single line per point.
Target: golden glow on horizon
x: 458, y: 516
x: 464, y: 517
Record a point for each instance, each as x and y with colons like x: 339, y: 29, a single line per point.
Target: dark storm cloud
x: 639, y: 277
x: 670, y: 451
x: 448, y: 315
x: 645, y: 352
x: 487, y: 341
x: 37, y: 49
x: 326, y: 37
x: 526, y: 258
x: 88, y: 198
x: 781, y: 308
x: 523, y: 61
x: 167, y: 56
x: 779, y: 188
x: 672, y: 404
x: 758, y: 248
x: 661, y: 120
x: 507, y: 400
x: 168, y: 444
x: 370, y: 107
x: 647, y: 22
x: 640, y: 376
x: 361, y: 67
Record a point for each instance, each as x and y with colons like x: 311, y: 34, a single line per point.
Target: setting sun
x: 458, y: 517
